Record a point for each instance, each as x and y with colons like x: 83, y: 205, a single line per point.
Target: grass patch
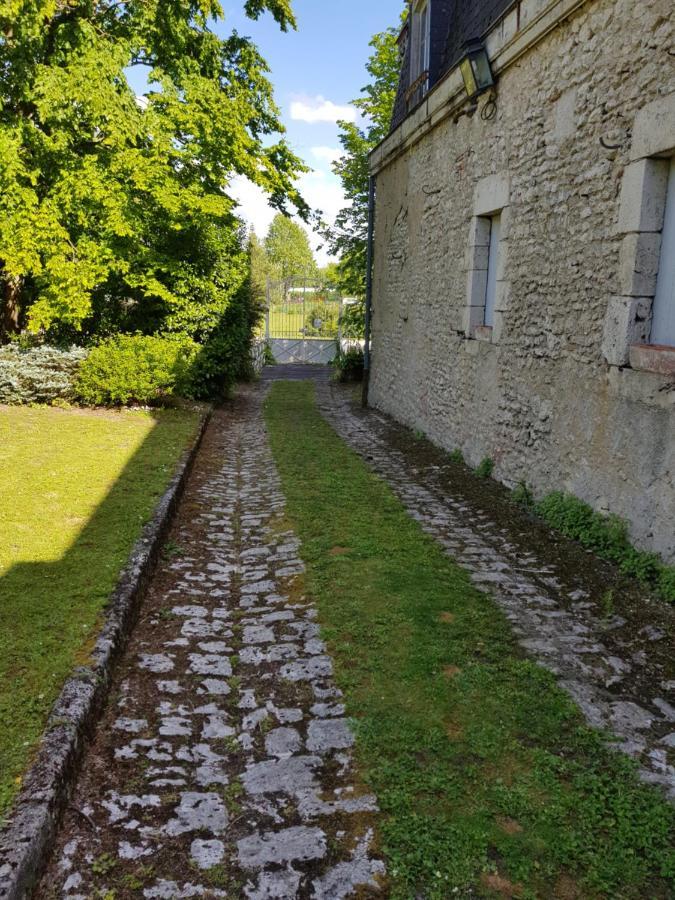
x: 486, y: 773
x: 296, y: 320
x: 522, y: 495
x: 485, y: 468
x: 607, y: 536
x: 75, y: 491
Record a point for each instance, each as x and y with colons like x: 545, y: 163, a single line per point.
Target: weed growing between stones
x: 104, y: 864
x: 485, y: 468
x: 171, y: 549
x: 523, y: 495
x: 137, y: 880
x: 608, y: 537
x: 608, y: 604
x: 452, y: 758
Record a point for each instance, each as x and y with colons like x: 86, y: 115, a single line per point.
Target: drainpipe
x: 369, y: 288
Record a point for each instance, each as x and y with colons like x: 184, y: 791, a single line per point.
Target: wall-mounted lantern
x: 476, y: 69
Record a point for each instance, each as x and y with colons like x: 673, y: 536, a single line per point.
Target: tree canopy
x: 288, y: 250
x: 114, y: 210
x: 347, y: 239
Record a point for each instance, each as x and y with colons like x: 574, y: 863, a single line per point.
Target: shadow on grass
x: 49, y: 611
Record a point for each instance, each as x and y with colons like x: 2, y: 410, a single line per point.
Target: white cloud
x: 327, y: 154
x: 322, y: 192
x: 253, y: 205
x: 318, y: 109
x: 319, y: 189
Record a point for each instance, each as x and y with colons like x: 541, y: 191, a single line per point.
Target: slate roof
x: 453, y: 23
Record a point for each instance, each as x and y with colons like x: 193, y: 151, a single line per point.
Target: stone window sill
x: 657, y: 358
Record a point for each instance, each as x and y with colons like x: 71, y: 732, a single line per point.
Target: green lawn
x: 489, y: 781
x: 287, y: 320
x: 76, y: 488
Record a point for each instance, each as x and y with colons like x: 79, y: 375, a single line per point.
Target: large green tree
x: 114, y: 210
x: 347, y: 239
x: 260, y: 268
x: 288, y: 250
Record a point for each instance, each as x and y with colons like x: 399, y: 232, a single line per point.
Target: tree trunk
x: 10, y: 309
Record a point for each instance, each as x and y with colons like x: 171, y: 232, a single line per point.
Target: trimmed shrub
x: 137, y: 369
x: 349, y: 365
x: 608, y: 537
x: 38, y: 374
x: 225, y: 353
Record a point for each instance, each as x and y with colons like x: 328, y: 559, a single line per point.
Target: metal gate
x: 302, y: 321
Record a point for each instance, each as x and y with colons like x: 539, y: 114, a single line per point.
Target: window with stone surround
x: 663, y: 313
x: 421, y: 51
x: 493, y: 263
x: 639, y: 326
x: 487, y: 288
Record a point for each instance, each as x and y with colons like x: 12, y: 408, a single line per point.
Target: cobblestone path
x: 617, y: 664
x: 223, y: 766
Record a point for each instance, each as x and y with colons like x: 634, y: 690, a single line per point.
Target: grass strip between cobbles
x: 77, y: 487
x: 489, y: 781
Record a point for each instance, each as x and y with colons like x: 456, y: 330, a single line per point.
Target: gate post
x: 304, y: 301
x: 267, y: 311
x: 340, y: 312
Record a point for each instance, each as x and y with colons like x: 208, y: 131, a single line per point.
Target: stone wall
x: 538, y: 395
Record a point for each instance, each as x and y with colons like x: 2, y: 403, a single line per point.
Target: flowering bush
x: 39, y: 374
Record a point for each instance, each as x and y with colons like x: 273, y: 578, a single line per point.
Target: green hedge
x: 195, y: 358
x: 38, y: 374
x: 225, y: 353
x: 137, y: 369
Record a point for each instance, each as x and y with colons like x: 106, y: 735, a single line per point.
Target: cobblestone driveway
x: 617, y: 663
x: 223, y: 767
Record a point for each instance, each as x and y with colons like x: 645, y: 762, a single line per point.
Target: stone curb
x: 26, y: 838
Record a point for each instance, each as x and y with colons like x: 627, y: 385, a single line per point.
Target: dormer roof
x: 452, y: 24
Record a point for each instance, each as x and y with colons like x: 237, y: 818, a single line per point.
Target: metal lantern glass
x: 476, y: 70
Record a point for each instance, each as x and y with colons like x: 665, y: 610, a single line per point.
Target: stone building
x: 524, y: 267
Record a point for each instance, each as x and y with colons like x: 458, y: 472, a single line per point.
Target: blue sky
x: 316, y: 71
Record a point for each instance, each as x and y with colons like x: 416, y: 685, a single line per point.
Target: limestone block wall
x: 537, y: 394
